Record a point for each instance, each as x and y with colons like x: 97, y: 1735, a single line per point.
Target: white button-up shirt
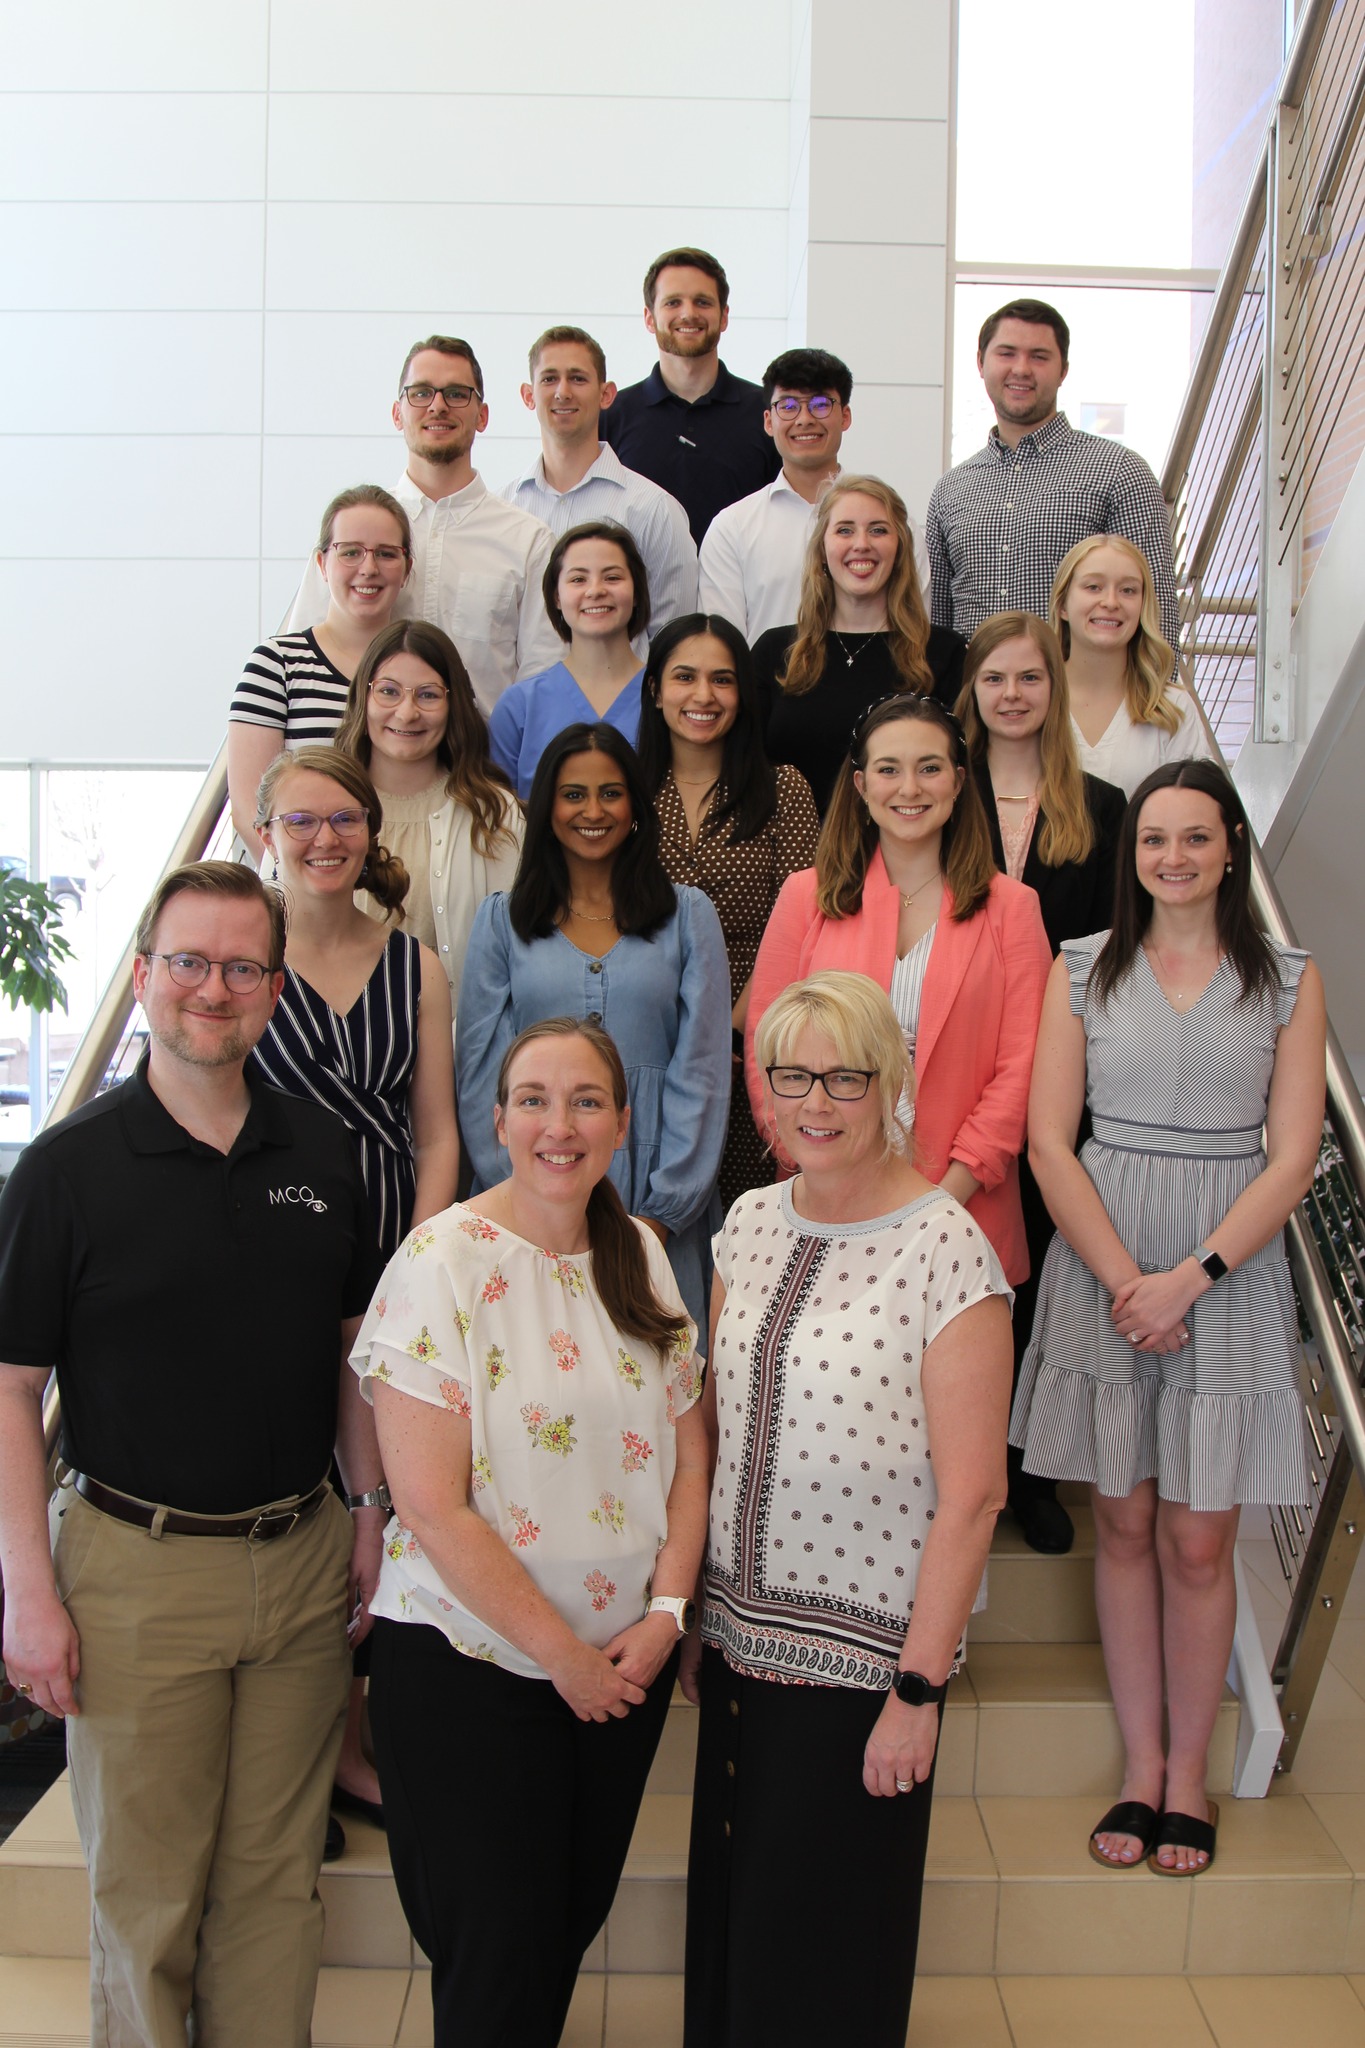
x: 655, y: 521
x: 476, y: 572
x: 752, y: 555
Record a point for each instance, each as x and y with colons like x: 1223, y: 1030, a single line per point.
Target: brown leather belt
x: 260, y: 1525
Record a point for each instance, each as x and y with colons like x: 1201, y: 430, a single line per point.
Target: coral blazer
x: 978, y: 1024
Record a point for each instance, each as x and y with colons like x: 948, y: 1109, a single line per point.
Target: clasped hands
x: 1149, y: 1309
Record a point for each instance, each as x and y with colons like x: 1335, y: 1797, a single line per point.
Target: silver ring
x: 1132, y: 1336
x: 1184, y: 1336
x: 905, y: 1784
x: 24, y: 1690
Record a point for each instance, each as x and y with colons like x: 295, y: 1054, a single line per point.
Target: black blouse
x: 1078, y: 897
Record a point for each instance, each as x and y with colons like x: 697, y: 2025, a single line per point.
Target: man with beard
x: 477, y: 562
x: 693, y: 428
x: 192, y: 1252
x: 999, y: 523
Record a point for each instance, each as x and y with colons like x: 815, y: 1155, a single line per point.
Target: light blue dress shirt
x: 665, y: 1000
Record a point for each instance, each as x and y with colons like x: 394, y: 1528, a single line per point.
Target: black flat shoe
x: 1043, y: 1522
x: 1185, y: 1831
x: 1130, y: 1817
x: 334, y: 1847
x: 351, y: 1802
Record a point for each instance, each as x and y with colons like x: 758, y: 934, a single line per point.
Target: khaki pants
x: 212, y: 1689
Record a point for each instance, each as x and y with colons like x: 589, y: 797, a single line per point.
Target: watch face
x: 914, y: 1689
x: 689, y: 1616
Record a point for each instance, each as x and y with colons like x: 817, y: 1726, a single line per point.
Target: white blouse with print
x: 573, y: 1442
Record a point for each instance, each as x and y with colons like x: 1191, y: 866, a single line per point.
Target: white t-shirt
x: 573, y: 1441
x: 1126, y: 754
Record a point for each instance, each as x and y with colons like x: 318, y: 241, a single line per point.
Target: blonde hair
x: 1150, y: 655
x: 906, y: 618
x: 854, y: 1013
x: 1066, y: 831
x: 383, y: 874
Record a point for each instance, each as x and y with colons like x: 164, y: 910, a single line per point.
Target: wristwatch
x: 915, y: 1690
x: 1210, y: 1261
x: 378, y: 1497
x: 683, y: 1611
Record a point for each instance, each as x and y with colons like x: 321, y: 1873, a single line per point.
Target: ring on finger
x: 23, y: 1688
x: 905, y: 1784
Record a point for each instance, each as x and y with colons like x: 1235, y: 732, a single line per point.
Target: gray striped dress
x: 1178, y: 1102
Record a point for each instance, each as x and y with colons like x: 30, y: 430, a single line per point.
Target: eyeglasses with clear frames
x: 191, y: 970
x: 841, y: 1084
x: 426, y: 696
x: 819, y: 406
x: 352, y: 551
x: 459, y: 397
x: 307, y: 824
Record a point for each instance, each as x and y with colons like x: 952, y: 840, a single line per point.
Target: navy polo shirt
x: 191, y: 1302
x: 708, y: 454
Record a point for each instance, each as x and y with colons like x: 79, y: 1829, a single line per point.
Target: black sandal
x: 1184, y: 1831
x: 1130, y: 1817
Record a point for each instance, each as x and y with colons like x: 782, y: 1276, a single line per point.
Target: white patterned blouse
x: 573, y: 1441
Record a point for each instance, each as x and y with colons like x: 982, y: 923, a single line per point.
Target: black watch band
x: 914, y: 1689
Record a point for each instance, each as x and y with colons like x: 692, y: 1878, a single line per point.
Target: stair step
x: 1010, y: 1890
x: 1037, y: 1599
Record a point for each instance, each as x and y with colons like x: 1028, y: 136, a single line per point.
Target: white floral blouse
x: 573, y: 1441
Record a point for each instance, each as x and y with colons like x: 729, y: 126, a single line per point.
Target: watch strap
x: 378, y: 1497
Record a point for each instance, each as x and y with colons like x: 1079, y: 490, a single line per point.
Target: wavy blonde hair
x: 854, y: 1013
x: 1066, y: 829
x: 1150, y: 655
x: 906, y: 617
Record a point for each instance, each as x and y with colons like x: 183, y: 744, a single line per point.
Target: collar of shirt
x: 780, y: 488
x: 1038, y: 443
x: 608, y: 469
x: 458, y: 505
x: 150, y: 1127
x: 722, y: 392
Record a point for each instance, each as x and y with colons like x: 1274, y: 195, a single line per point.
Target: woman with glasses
x: 412, y: 723
x: 597, y: 597
x: 592, y: 927
x: 362, y: 1026
x: 293, y: 689
x: 861, y: 632
x: 856, y: 1405
x: 905, y: 889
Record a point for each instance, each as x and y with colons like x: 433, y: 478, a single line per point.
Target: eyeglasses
x: 841, y: 1084
x: 819, y: 407
x: 191, y: 970
x: 459, y: 397
x: 307, y: 824
x: 426, y: 696
x: 352, y: 551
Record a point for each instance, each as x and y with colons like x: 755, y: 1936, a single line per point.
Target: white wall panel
x: 883, y: 309
x: 186, y: 258
x: 897, y: 433
x: 132, y: 145
x: 142, y: 671
x: 130, y: 373
x: 879, y: 181
x: 299, y: 478
x: 187, y: 495
x: 134, y: 46
x: 454, y: 146
x: 889, y: 61
x: 716, y: 51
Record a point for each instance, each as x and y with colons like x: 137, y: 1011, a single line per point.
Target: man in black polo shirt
x: 690, y: 426
x: 192, y: 1252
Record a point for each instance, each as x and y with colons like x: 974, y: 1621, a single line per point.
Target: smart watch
x: 1210, y: 1261
x: 378, y: 1497
x: 915, y: 1690
x: 684, y: 1612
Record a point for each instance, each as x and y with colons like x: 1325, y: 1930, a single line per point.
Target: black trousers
x: 508, y: 1822
x: 803, y: 1891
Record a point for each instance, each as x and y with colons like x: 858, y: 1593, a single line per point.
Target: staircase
x: 1025, y: 1941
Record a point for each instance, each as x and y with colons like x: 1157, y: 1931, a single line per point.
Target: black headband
x: 941, y: 711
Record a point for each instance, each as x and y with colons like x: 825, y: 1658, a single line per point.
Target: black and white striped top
x: 360, y: 1065
x: 289, y: 683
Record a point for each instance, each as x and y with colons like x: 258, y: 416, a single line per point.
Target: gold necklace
x: 589, y: 917
x: 908, y: 899
x: 1179, y: 994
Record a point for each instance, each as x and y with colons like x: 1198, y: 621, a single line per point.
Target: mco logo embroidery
x: 299, y: 1198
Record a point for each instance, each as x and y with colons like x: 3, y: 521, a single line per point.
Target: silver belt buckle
x: 267, y: 1527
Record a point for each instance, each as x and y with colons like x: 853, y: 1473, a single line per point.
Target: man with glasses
x: 477, y: 561
x: 752, y: 555
x: 192, y: 1252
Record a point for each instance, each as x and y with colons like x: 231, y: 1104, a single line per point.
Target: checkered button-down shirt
x: 1000, y: 522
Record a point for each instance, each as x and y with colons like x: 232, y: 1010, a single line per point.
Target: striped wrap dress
x: 1178, y: 1101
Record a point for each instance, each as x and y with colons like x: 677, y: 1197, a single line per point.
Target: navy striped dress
x: 1178, y: 1099
x: 361, y: 1066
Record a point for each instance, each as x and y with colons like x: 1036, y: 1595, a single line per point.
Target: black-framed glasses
x: 426, y: 696
x: 191, y: 970
x: 819, y: 406
x: 307, y: 824
x: 841, y: 1084
x: 459, y: 397
x: 352, y: 551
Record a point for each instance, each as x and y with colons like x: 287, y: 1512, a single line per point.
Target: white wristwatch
x: 683, y: 1611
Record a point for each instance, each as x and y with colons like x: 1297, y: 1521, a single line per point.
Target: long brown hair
x: 906, y: 618
x: 383, y: 874
x: 620, y: 1269
x: 471, y: 778
x: 850, y: 838
x: 1150, y: 656
x: 1066, y: 830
